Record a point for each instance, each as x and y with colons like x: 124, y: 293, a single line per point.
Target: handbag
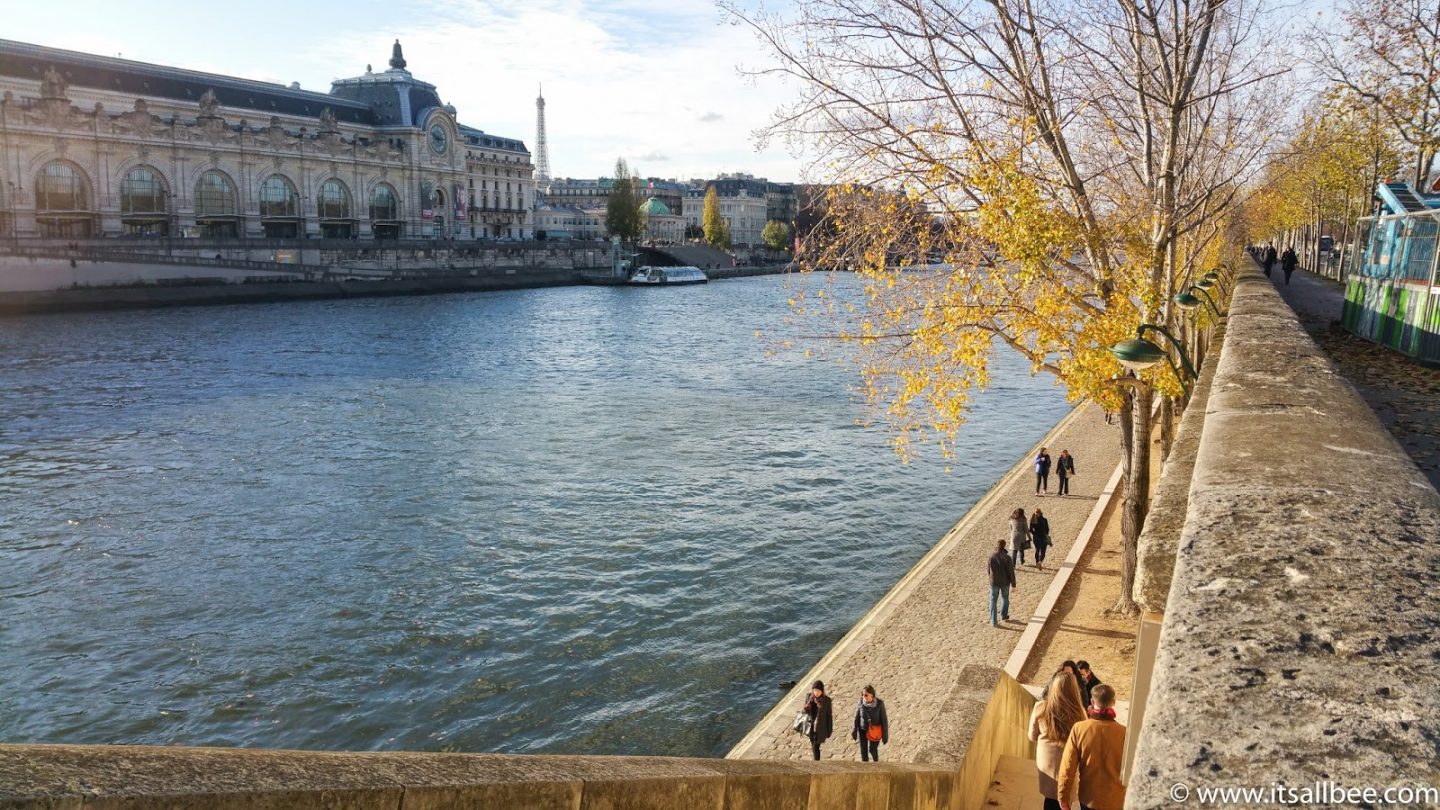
x: 803, y: 724
x: 874, y: 732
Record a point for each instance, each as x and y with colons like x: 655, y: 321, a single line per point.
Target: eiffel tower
x: 542, y: 149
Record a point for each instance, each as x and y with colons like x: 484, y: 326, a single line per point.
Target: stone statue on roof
x: 209, y: 103
x: 397, y: 57
x: 327, y: 120
x: 52, y: 84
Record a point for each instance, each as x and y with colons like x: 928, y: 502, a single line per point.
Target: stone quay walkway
x: 1402, y: 392
x: 913, y: 645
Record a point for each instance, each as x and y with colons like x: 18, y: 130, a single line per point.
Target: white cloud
x: 612, y: 70
x: 622, y: 78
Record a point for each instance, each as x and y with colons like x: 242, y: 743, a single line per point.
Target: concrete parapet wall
x: 1166, y: 519
x: 66, y: 777
x: 984, y: 725
x: 1300, y: 639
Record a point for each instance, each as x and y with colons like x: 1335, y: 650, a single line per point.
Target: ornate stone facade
x: 93, y: 146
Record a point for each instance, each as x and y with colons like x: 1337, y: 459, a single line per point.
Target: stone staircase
x: 1014, y: 786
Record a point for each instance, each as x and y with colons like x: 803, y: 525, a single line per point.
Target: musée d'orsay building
x: 93, y: 146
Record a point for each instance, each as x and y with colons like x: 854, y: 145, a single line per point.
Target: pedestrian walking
x: 1092, y: 757
x: 1088, y: 680
x: 1042, y: 472
x: 1054, y: 715
x: 1068, y: 667
x: 1288, y: 262
x: 1019, y: 535
x: 822, y: 721
x: 1064, y: 468
x: 1040, y: 535
x: 1002, y: 579
x: 871, y: 726
x: 1269, y: 261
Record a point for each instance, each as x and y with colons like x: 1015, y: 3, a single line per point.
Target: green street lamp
x: 1219, y: 278
x: 1187, y: 301
x: 1138, y: 354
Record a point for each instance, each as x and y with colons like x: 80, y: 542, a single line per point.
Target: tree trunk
x: 1134, y: 444
x: 1167, y: 416
x: 1344, y: 241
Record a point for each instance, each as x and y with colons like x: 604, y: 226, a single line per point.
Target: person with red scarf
x: 1093, y: 755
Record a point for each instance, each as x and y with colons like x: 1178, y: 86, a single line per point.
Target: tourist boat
x: 668, y: 275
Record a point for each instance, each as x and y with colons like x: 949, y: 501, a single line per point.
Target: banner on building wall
x: 460, y: 207
x: 427, y: 215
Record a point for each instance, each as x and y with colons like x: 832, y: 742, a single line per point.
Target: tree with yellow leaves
x: 1039, y: 174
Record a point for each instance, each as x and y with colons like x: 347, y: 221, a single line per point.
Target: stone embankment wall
x: 1302, y: 623
x: 64, y: 777
x: 126, y: 285
x: 34, y: 285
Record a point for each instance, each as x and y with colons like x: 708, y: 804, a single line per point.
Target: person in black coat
x: 1064, y: 468
x: 822, y: 720
x: 1269, y: 260
x: 1288, y: 261
x: 1088, y: 680
x: 1040, y: 535
x: 871, y: 726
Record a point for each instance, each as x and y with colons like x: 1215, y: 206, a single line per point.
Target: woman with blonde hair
x: 1050, y: 723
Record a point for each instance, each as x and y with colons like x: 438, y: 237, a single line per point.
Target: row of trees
x: 1376, y: 118
x: 1071, y: 163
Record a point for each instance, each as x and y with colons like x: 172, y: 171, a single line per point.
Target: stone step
x: 1014, y: 786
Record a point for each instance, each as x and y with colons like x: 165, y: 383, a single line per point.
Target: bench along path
x: 913, y: 645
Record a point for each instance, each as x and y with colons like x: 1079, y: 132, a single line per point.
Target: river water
x: 578, y: 519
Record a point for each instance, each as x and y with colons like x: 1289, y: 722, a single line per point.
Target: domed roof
x: 654, y: 207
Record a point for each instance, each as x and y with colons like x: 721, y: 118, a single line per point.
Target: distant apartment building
x: 569, y: 222
x: 580, y: 193
x: 743, y: 201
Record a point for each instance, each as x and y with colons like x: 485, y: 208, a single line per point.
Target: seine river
x: 579, y: 519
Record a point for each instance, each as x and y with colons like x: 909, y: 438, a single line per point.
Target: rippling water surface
x: 578, y: 519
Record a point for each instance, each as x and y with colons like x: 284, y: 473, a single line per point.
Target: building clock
x: 438, y: 139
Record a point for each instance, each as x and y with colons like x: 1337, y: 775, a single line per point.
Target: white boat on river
x: 668, y: 275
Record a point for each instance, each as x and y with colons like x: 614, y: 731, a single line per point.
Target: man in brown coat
x: 1092, y: 756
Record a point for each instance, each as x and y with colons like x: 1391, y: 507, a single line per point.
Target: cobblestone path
x: 914, y: 643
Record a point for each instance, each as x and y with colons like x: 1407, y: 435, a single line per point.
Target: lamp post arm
x: 1183, y: 387
x: 1179, y: 347
x: 1211, y: 301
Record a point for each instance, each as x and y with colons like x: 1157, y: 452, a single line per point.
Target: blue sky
x: 653, y: 81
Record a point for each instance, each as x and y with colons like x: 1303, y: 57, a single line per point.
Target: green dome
x: 655, y: 208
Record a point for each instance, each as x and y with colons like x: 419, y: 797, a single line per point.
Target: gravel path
x: 914, y: 643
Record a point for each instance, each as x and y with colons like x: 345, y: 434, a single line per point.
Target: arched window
x: 60, y: 187
x: 279, y: 208
x: 384, y: 212
x: 278, y: 197
x: 215, y: 209
x: 333, y: 207
x: 62, y: 202
x: 142, y: 192
x: 143, y: 209
x: 334, y: 200
x: 437, y: 211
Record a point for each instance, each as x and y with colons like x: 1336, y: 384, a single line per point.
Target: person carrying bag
x: 871, y: 726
